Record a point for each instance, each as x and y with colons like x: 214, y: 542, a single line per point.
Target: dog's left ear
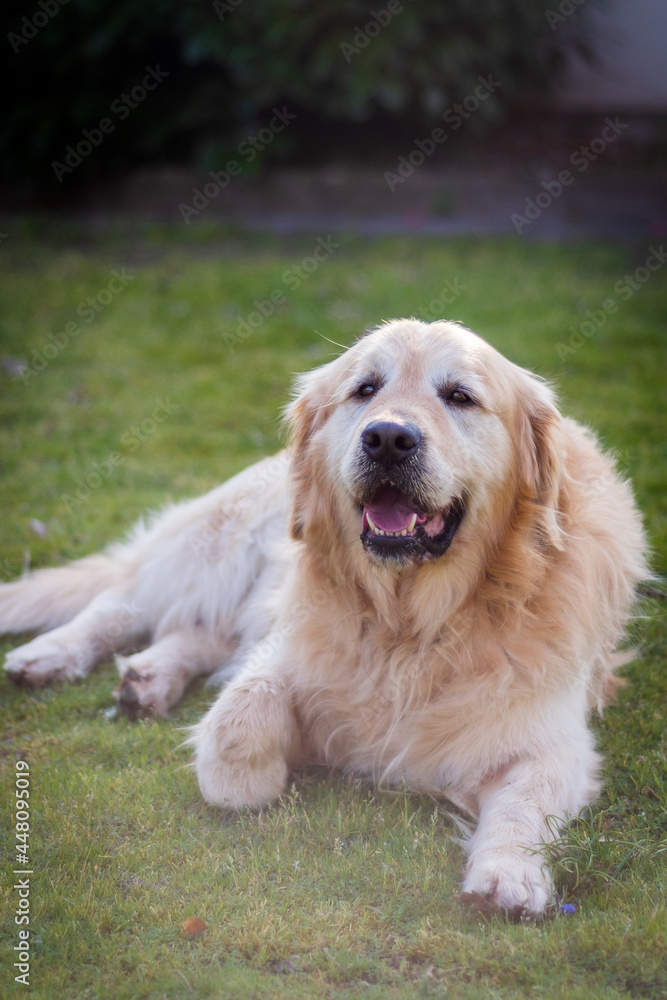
x: 540, y: 454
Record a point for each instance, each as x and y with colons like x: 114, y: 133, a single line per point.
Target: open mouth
x: 395, y: 527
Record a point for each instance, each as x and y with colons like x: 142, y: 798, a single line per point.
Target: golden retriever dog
x: 426, y: 589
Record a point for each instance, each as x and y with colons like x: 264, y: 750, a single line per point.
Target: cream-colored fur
x: 470, y: 675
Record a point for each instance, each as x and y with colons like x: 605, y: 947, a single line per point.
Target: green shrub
x: 231, y: 61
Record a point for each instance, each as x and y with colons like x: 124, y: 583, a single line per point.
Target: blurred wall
x: 630, y: 37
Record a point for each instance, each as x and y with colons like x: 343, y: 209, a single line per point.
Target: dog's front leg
x: 514, y: 811
x: 248, y: 741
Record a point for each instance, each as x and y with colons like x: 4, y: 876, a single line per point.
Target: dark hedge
x: 230, y: 61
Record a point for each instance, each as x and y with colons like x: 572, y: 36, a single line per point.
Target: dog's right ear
x: 303, y: 417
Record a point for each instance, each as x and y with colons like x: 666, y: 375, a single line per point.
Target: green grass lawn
x: 338, y: 891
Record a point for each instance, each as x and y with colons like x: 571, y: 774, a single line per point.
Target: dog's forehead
x: 410, y: 346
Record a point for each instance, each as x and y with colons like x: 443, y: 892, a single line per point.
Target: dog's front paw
x: 240, y: 746
x: 43, y: 661
x: 516, y: 882
x: 229, y: 783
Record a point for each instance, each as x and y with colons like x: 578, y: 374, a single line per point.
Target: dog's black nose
x: 389, y: 443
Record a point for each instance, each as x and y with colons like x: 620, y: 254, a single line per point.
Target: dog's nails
x: 128, y: 700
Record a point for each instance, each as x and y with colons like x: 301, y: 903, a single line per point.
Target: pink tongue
x: 391, y: 510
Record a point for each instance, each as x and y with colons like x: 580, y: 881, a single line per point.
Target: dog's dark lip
x: 419, y: 545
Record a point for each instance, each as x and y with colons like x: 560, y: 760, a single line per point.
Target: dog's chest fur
x: 385, y: 705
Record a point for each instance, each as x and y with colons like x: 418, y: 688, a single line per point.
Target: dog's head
x: 419, y: 437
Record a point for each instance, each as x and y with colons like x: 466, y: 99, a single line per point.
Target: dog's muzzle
x: 398, y: 523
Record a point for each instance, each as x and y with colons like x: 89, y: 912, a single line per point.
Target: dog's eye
x: 457, y: 396
x: 366, y: 390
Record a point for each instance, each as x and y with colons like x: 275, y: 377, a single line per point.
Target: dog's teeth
x: 391, y: 534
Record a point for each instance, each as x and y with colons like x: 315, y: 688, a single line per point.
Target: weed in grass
x: 588, y: 854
